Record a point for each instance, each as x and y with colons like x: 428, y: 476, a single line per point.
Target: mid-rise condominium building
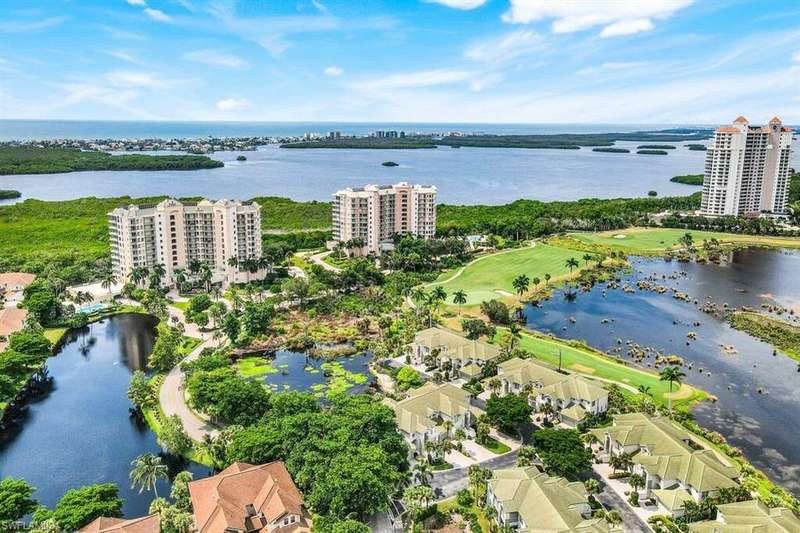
x: 747, y: 170
x: 376, y: 213
x: 178, y: 234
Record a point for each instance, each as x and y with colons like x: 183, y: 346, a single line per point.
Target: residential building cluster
x: 243, y: 498
x: 372, y: 215
x: 176, y: 234
x: 676, y: 466
x: 747, y: 170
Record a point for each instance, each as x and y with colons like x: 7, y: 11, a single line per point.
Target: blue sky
x: 558, y: 61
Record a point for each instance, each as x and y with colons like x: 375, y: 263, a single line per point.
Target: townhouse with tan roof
x: 572, y: 396
x: 104, y: 524
x: 467, y: 357
x: 676, y: 466
x: 420, y: 416
x: 530, y: 501
x: 247, y: 498
x: 749, y: 517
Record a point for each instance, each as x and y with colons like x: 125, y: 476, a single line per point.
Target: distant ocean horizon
x: 21, y: 130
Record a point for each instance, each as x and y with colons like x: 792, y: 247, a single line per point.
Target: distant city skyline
x: 480, y: 61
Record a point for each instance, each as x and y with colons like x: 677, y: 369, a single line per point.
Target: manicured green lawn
x: 440, y: 465
x: 490, y: 277
x: 183, y: 306
x: 55, y: 334
x: 586, y: 361
x: 656, y: 240
x: 495, y: 446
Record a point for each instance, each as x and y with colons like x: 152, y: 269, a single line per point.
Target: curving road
x: 172, y: 395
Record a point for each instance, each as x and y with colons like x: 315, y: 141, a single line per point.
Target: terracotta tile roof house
x: 245, y: 498
x: 11, y: 320
x: 145, y: 524
x: 572, y: 396
x: 749, y: 517
x: 420, y: 416
x: 15, y: 281
x: 452, y: 347
x: 531, y: 501
x: 673, y: 462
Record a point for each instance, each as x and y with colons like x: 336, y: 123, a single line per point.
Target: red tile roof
x: 220, y: 501
x: 144, y: 524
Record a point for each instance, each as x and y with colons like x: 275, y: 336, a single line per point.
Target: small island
x: 390, y: 164
x: 612, y: 150
x: 16, y: 159
x: 652, y: 152
x: 655, y: 147
x: 697, y: 147
x: 688, y: 179
x: 241, y: 158
x: 9, y: 194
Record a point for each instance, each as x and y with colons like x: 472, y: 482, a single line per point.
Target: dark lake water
x: 763, y: 424
x: 81, y: 432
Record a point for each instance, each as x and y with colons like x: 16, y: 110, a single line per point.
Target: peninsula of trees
x: 35, y: 160
x: 567, y: 141
x: 8, y: 194
x: 688, y: 179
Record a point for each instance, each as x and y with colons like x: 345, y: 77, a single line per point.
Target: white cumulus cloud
x: 459, y: 4
x: 334, y: 71
x: 137, y: 2
x: 616, y: 17
x: 136, y: 79
x: 157, y: 14
x: 215, y: 57
x: 232, y: 104
x: 796, y: 56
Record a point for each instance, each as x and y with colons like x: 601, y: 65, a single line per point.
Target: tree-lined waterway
x: 757, y: 422
x: 81, y: 431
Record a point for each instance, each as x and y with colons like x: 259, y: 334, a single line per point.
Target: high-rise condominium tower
x: 178, y: 234
x: 747, y: 170
x: 375, y: 213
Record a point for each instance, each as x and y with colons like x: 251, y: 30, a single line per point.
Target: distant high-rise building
x: 747, y: 170
x: 375, y: 213
x: 177, y: 234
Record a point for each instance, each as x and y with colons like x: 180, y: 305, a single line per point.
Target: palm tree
x: 536, y: 281
x: 418, y: 295
x: 547, y: 277
x: 448, y: 426
x: 459, y: 298
x: 109, y: 279
x: 439, y: 293
x: 571, y: 264
x: 194, y: 266
x: 521, y: 284
x: 422, y: 472
x: 180, y: 277
x: 146, y: 471
x: 138, y: 275
x: 206, y: 275
x: 478, y: 476
x: 673, y: 374
x: 644, y: 389
x: 587, y: 257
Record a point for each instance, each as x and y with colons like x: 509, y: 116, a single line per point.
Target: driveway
x: 611, y: 498
x: 448, y: 482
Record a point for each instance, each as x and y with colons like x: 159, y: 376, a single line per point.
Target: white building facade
x: 375, y: 213
x: 747, y: 170
x: 176, y: 234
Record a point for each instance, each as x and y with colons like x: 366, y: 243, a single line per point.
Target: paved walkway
x: 172, y: 394
x: 320, y: 260
x: 613, y: 496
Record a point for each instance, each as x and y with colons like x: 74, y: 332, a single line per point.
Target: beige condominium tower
x: 747, y: 170
x: 176, y: 234
x: 375, y: 213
